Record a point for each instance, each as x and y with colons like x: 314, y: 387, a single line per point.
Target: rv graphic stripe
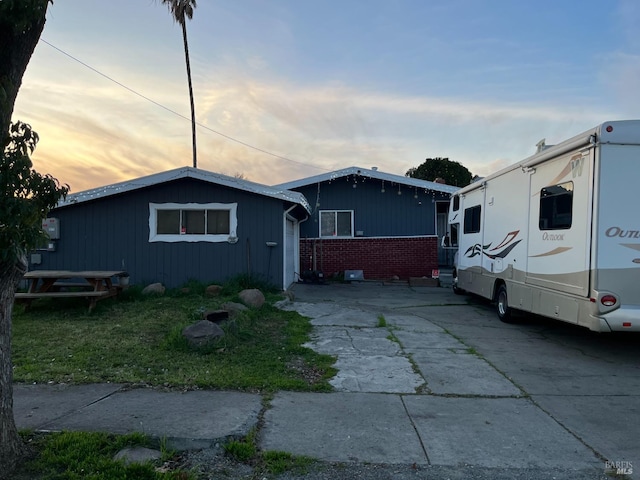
x: 508, y: 244
x: 555, y: 251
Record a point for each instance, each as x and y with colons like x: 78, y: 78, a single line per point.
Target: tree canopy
x: 26, y: 197
x: 453, y: 173
x: 21, y: 24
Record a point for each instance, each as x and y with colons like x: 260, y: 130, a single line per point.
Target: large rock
x: 234, y: 308
x: 213, y: 290
x: 202, y: 333
x: 154, y: 289
x: 252, y: 297
x: 137, y: 455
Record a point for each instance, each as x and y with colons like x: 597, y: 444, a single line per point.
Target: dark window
x: 336, y: 223
x: 193, y: 222
x: 556, y: 207
x: 472, y: 219
x: 454, y: 234
x: 217, y: 222
x: 456, y: 203
x: 168, y: 222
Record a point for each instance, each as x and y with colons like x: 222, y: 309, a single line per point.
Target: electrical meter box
x: 51, y: 227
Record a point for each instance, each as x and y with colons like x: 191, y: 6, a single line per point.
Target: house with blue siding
x: 366, y: 220
x: 180, y: 225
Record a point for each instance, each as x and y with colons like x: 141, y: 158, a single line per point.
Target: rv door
x: 560, y: 211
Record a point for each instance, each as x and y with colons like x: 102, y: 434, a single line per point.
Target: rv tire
x: 502, y: 305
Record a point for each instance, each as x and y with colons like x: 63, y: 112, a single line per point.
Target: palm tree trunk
x: 11, y: 445
x: 193, y: 108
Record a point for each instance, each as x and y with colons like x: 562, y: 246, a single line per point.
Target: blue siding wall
x: 112, y: 233
x: 376, y: 214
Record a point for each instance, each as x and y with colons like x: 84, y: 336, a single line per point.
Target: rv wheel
x: 502, y: 303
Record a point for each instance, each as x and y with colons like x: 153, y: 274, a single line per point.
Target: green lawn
x: 135, y: 339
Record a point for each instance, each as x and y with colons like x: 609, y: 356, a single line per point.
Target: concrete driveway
x: 537, y: 394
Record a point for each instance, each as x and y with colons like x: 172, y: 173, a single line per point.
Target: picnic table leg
x: 92, y: 303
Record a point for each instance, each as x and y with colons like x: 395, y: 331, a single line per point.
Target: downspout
x: 284, y: 252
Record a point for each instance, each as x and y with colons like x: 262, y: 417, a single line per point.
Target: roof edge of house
x: 185, y: 172
x: 368, y: 173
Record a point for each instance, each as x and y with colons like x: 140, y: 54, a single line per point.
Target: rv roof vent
x: 541, y: 145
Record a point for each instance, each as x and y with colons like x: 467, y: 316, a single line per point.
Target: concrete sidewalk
x: 407, y: 393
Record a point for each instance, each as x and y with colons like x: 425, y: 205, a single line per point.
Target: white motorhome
x: 557, y: 234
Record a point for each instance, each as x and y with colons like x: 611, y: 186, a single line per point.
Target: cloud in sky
x: 316, y: 90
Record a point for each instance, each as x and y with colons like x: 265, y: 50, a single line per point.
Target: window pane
x: 344, y: 224
x: 327, y: 224
x: 193, y: 222
x: 556, y: 207
x: 218, y: 222
x: 456, y: 203
x: 454, y: 234
x: 168, y: 222
x: 472, y: 219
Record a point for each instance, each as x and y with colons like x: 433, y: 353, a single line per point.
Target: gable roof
x: 369, y: 173
x: 186, y: 172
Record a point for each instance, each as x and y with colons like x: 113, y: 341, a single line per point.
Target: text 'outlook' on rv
x: 556, y: 234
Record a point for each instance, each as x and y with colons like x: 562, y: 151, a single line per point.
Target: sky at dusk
x: 286, y: 89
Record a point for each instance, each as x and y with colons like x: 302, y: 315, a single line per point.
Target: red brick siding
x: 378, y: 258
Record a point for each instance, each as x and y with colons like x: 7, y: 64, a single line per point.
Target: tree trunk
x: 21, y: 24
x: 193, y: 108
x: 11, y: 446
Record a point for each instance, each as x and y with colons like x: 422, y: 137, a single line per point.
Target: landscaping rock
x: 252, y: 297
x: 213, y: 290
x: 289, y: 295
x: 154, y: 289
x: 137, y: 455
x: 234, y: 308
x: 202, y: 333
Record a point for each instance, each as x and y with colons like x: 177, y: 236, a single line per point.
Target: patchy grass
x: 276, y: 462
x: 137, y: 340
x: 243, y: 450
x: 273, y: 462
x: 382, y: 322
x: 80, y: 455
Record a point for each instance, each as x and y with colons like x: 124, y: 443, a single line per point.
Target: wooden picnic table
x: 92, y: 285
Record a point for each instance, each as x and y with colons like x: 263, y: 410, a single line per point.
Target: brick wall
x: 379, y: 257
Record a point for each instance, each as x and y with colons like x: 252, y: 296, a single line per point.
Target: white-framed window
x: 336, y: 223
x: 193, y: 222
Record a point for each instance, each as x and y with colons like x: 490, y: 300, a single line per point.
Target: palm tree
x: 181, y: 10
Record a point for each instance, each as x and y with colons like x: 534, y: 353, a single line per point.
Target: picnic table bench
x: 92, y: 285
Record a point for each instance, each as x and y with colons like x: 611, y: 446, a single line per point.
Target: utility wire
x: 120, y: 84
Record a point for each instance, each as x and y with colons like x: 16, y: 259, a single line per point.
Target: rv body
x: 557, y: 234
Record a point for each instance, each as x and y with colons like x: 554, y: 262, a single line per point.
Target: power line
x: 131, y: 90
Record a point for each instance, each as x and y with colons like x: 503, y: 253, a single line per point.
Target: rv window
x: 472, y: 219
x: 454, y: 234
x: 456, y: 203
x: 556, y: 207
